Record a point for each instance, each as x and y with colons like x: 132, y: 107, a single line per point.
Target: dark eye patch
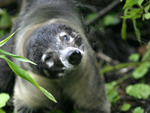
x: 78, y: 41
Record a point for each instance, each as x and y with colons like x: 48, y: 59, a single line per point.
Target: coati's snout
x: 71, y: 57
x: 74, y: 57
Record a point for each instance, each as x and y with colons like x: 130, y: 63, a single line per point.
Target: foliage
x: 131, y: 12
x: 5, y: 22
x: 138, y: 110
x: 111, y: 92
x: 134, y: 9
x: 139, y: 91
x: 125, y: 107
x: 4, y: 98
x: 20, y: 72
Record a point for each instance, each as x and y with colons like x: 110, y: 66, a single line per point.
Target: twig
x: 92, y: 8
x: 104, y: 11
x: 107, y: 58
x: 120, y: 66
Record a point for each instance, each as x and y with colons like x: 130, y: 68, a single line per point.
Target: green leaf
x: 111, y: 19
x: 2, y: 111
x: 112, y: 95
x: 3, y: 99
x: 138, y: 110
x: 134, y: 57
x: 16, y: 57
x: 124, y: 25
x: 125, y: 107
x: 124, y: 29
x: 146, y: 56
x: 137, y: 31
x: 133, y: 13
x: 140, y: 2
x: 147, y: 53
x: 50, y: 96
x: 90, y: 17
x: 129, y: 3
x: 5, y: 40
x: 141, y: 70
x: 2, y: 32
x: 5, y: 19
x: 25, y: 75
x: 139, y: 91
x: 146, y: 8
x: 147, y: 15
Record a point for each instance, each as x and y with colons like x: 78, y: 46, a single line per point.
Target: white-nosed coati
x: 52, y: 35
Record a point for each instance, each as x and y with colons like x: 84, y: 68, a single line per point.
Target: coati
x: 52, y: 35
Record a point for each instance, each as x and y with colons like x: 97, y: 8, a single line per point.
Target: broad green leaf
x: 138, y: 110
x: 140, y: 2
x: 141, y: 70
x: 3, y: 99
x: 125, y: 107
x: 137, y: 31
x: 5, y: 19
x: 134, y: 57
x: 16, y: 57
x: 133, y: 13
x: 139, y: 91
x: 147, y: 15
x: 112, y: 95
x: 2, y: 32
x: 129, y: 3
x: 146, y: 8
x: 2, y: 111
x: 110, y: 19
x: 90, y: 17
x: 5, y: 40
x: 25, y: 75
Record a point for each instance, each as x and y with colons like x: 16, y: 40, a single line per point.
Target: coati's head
x: 55, y: 48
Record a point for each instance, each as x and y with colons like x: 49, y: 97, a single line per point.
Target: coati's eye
x: 65, y: 38
x: 48, y: 57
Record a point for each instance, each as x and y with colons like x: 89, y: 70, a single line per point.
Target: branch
x: 104, y: 11
x: 107, y: 58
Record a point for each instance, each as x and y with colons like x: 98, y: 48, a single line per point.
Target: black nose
x: 74, y: 57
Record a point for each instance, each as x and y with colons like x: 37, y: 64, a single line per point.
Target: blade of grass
x: 5, y: 40
x: 16, y: 57
x: 25, y: 75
